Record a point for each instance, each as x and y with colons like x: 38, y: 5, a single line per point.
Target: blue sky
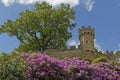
x: 103, y: 15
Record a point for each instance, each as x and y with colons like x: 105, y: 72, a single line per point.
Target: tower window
x: 91, y: 41
x: 86, y: 41
x: 82, y: 42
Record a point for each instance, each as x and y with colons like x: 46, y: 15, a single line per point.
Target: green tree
x: 43, y: 27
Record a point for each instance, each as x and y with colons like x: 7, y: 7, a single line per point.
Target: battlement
x: 86, y: 30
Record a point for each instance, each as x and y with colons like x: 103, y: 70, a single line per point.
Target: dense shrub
x: 100, y: 59
x: 43, y: 67
x: 105, y: 71
x: 11, y: 67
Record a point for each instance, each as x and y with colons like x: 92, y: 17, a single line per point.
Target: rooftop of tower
x: 84, y: 29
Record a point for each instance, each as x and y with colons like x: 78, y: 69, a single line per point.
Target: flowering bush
x: 105, y: 71
x: 44, y: 67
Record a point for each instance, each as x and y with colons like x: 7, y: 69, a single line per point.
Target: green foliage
x: 118, y: 64
x: 100, y: 59
x: 43, y: 27
x: 11, y: 67
x: 38, y: 66
x: 117, y: 54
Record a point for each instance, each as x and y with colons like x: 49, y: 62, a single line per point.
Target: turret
x: 86, y: 37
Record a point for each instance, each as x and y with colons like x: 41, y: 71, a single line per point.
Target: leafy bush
x: 100, y: 59
x: 11, y: 67
x: 41, y: 66
x: 105, y: 71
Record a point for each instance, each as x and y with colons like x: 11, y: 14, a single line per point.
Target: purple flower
x: 36, y: 79
x: 44, y: 67
x: 26, y: 55
x: 43, y: 73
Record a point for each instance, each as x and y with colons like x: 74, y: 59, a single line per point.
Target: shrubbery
x: 100, y: 59
x: 11, y: 67
x: 43, y: 67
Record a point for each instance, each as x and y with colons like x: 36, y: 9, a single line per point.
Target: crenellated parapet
x: 86, y: 30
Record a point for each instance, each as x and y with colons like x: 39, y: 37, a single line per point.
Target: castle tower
x: 86, y: 37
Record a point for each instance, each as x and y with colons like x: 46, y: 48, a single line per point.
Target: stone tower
x: 86, y: 37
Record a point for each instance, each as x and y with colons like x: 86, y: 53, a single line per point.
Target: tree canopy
x: 43, y: 27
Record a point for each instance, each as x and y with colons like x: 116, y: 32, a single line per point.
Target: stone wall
x: 70, y: 53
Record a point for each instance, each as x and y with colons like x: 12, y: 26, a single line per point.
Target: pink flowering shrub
x: 44, y: 67
x: 105, y: 71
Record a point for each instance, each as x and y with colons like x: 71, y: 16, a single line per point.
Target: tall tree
x: 43, y: 27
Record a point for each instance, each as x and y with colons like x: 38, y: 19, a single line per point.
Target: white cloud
x: 58, y: 2
x: 97, y: 46
x: 7, y: 2
x: 118, y: 48
x: 53, y: 2
x: 89, y: 4
x: 74, y: 43
x: 26, y: 2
